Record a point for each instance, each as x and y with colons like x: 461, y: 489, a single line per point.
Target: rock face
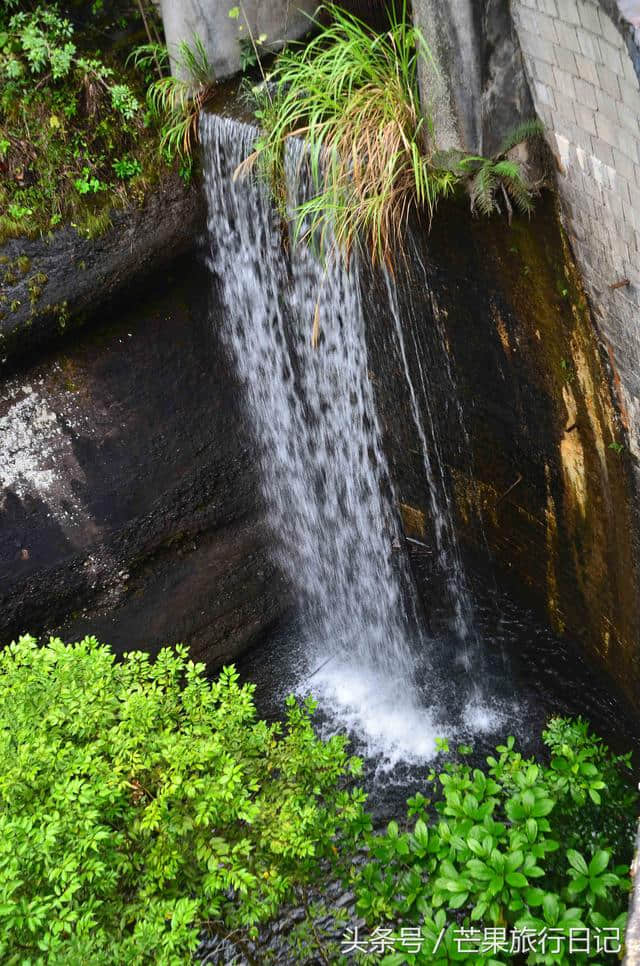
x: 128, y: 504
x: 223, y: 36
x: 583, y: 62
x: 475, y: 88
x: 50, y: 285
x: 526, y: 429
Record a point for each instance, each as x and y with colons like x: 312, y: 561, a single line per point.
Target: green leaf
x: 516, y: 879
x: 550, y: 908
x: 599, y: 862
x: 577, y: 862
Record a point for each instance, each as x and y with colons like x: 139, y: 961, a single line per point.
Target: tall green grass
x: 353, y: 95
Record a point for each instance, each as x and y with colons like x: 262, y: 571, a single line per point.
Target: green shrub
x: 519, y: 845
x: 141, y: 802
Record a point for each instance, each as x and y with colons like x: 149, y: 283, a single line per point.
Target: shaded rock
x: 128, y: 506
x: 50, y: 285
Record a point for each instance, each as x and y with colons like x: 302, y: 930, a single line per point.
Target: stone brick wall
x: 581, y: 58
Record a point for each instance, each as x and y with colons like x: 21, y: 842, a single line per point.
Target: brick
x: 588, y: 44
x: 564, y: 106
x: 585, y: 93
x: 602, y: 151
x: 624, y: 165
x: 544, y: 72
x: 589, y: 17
x: 549, y: 7
x: 607, y: 105
x: 609, y: 30
x: 611, y: 57
x: 585, y: 68
x: 585, y: 118
x: 537, y: 47
x: 566, y: 59
x: 544, y: 95
x: 564, y: 82
x: 570, y: 11
x: 628, y: 118
x: 630, y: 94
x: 568, y: 37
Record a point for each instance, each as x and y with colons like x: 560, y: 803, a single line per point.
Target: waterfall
x: 323, y: 472
x: 295, y: 332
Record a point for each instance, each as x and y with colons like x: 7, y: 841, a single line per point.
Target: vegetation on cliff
x: 78, y: 137
x: 143, y: 805
x: 352, y: 93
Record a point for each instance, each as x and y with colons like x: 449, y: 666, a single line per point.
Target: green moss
x: 35, y: 286
x: 23, y: 262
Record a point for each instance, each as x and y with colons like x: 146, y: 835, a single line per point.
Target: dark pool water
x: 518, y: 675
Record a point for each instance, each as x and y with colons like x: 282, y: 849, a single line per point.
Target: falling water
x: 323, y: 472
x: 449, y: 558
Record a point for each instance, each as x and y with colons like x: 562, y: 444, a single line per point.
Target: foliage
x: 66, y: 115
x: 178, y: 99
x: 501, y: 180
x: 353, y: 95
x: 521, y: 844
x: 141, y: 802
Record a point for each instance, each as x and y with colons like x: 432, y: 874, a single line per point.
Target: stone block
x: 630, y: 93
x: 609, y: 30
x: 602, y: 151
x: 607, y: 105
x: 566, y: 60
x: 544, y: 72
x: 628, y: 117
x: 624, y: 165
x: 568, y: 37
x: 609, y: 82
x: 537, y: 47
x: 585, y: 118
x: 544, y: 94
x: 564, y: 82
x: 590, y: 17
x: 611, y: 56
x: 569, y: 12
x: 546, y: 27
x: 586, y: 69
x: 549, y: 8
x: 608, y: 130
x: 585, y: 93
x: 588, y: 44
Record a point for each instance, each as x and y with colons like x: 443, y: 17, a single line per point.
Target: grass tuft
x: 353, y: 95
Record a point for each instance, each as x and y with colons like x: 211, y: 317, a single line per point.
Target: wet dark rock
x: 129, y: 506
x: 51, y: 285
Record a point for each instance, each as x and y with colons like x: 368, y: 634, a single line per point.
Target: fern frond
x: 526, y: 131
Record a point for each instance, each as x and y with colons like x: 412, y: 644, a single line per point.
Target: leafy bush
x: 141, y: 802
x: 520, y: 845
x: 353, y: 95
